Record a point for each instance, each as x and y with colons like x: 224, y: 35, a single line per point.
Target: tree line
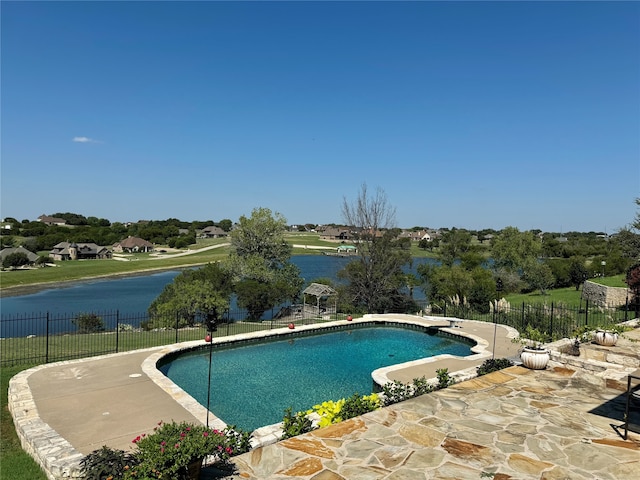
x: 38, y: 236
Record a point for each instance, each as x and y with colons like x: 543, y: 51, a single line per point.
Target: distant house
x: 416, y: 236
x: 5, y: 252
x: 78, y: 251
x: 333, y: 233
x: 213, y: 232
x: 132, y: 245
x: 51, y: 220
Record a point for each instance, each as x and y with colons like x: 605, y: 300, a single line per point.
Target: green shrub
x: 493, y: 365
x: 444, y: 380
x: 295, y: 424
x: 421, y: 386
x: 88, y: 323
x: 106, y: 464
x: 395, y: 392
x: 357, y: 405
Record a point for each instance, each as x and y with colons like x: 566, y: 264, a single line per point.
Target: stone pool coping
x: 268, y: 434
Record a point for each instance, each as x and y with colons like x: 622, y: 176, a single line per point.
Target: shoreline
x: 20, y: 290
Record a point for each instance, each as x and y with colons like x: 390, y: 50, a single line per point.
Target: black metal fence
x: 45, y: 337
x: 554, y: 320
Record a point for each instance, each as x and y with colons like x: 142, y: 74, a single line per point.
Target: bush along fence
x: 46, y: 337
x: 554, y: 320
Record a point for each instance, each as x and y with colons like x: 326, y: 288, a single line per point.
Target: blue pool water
x: 253, y: 384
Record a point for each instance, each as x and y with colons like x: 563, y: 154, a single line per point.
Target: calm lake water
x: 133, y: 295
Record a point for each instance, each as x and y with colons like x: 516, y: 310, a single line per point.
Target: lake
x: 133, y: 295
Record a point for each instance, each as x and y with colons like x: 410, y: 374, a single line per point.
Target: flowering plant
x: 172, y: 447
x: 336, y: 411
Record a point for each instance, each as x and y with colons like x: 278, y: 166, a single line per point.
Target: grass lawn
x: 56, y: 348
x: 568, y: 296
x: 77, y: 270
x: 15, y: 463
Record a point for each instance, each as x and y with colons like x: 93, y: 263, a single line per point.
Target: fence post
x: 117, y: 328
x: 551, y: 325
x: 586, y: 312
x: 177, y: 320
x: 46, y: 354
x: 626, y: 307
x: 522, y: 318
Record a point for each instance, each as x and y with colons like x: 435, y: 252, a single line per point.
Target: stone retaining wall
x: 604, y: 296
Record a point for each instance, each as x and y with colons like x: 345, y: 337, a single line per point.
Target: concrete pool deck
x: 520, y: 423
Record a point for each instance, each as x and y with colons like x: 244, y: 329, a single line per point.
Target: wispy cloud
x: 85, y: 140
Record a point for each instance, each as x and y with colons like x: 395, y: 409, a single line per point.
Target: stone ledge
x: 54, y: 454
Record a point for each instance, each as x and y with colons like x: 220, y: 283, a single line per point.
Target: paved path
x: 65, y: 410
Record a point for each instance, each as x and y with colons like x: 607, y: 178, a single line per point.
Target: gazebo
x: 320, y: 292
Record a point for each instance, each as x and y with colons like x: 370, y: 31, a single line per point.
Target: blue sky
x: 472, y: 115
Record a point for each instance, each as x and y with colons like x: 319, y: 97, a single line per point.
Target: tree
x: 512, y: 249
x: 7, y: 241
x: 444, y: 282
x: 577, y: 272
x: 44, y: 260
x: 633, y: 280
x: 225, y: 224
x: 628, y: 242
x: 260, y: 260
x: 539, y: 276
x: 202, y: 294
x: 453, y: 245
x: 483, y: 290
x: 375, y: 278
x: 14, y: 260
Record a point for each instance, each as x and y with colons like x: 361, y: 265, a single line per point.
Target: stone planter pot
x: 534, y: 359
x: 606, y: 338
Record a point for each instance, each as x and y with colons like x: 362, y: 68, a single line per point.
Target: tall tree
x: 539, y: 276
x: 512, y: 249
x: 577, y: 272
x: 260, y: 263
x: 201, y: 294
x: 454, y: 245
x: 375, y: 279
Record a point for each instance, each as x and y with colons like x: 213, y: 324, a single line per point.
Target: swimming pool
x: 253, y: 383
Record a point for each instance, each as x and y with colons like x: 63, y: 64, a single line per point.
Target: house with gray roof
x: 5, y: 252
x: 78, y: 251
x: 47, y: 220
x: 133, y: 245
x: 213, y: 232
